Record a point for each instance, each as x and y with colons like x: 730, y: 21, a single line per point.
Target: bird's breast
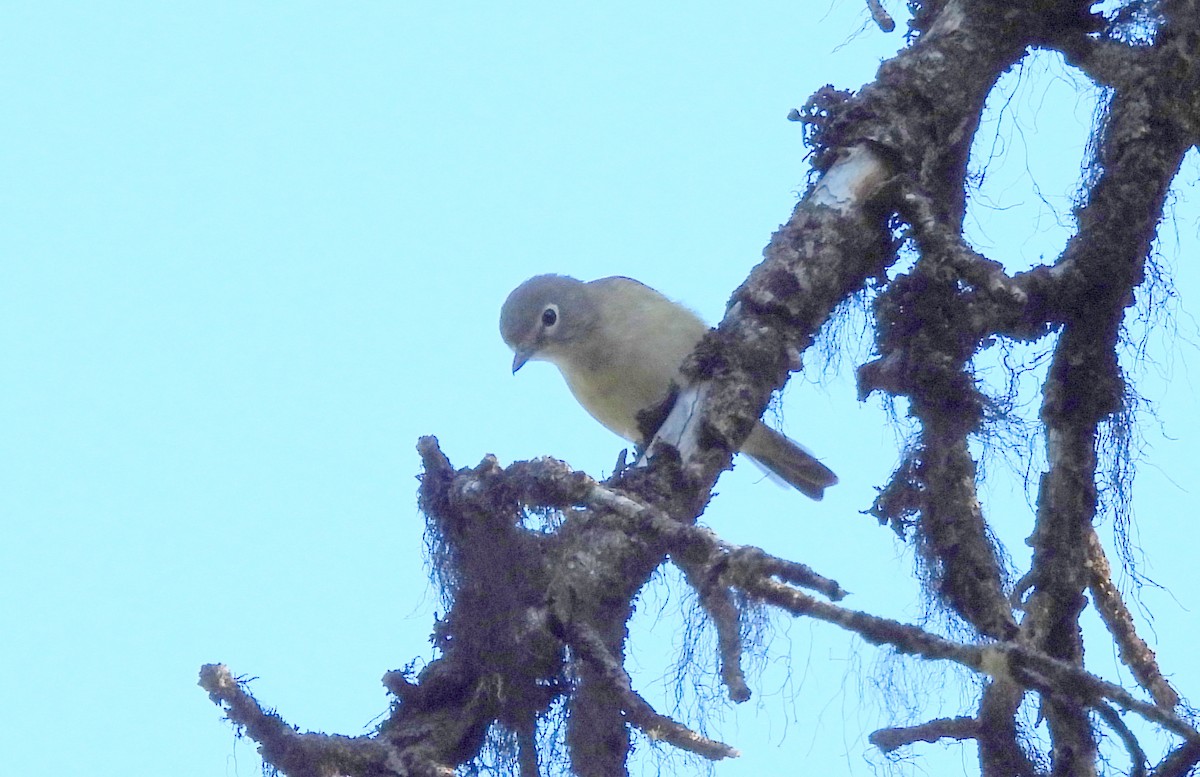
x: 628, y: 376
x: 614, y: 397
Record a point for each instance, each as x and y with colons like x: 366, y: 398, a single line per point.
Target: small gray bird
x: 619, y: 344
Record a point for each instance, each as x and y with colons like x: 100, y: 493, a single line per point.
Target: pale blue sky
x: 253, y: 250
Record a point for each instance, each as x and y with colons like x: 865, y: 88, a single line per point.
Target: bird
x: 619, y: 345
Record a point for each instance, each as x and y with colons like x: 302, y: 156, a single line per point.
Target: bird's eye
x: 550, y: 316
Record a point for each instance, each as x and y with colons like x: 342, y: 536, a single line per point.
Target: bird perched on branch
x: 620, y: 345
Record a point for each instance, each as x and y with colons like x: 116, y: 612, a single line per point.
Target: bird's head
x: 544, y: 316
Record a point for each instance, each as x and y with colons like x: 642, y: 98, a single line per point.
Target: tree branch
x: 1137, y: 756
x: 889, y: 739
x: 637, y: 710
x: 717, y: 600
x: 534, y: 616
x: 312, y: 755
x: 1138, y: 159
x: 1134, y: 651
x: 1181, y: 762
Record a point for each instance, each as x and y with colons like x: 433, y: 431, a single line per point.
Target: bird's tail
x: 788, y: 461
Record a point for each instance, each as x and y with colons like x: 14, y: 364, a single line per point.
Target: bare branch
x: 1000, y: 740
x: 881, y: 16
x: 828, y: 249
x: 701, y: 544
x: 1181, y: 762
x: 1054, y: 676
x: 755, y: 580
x: 637, y: 710
x: 311, y: 755
x: 1107, y: 62
x: 927, y: 360
x: 889, y: 739
x: 717, y: 601
x: 756, y: 561
x: 1105, y: 259
x: 875, y: 630
x: 1134, y: 651
x: 1005, y: 661
x: 1137, y: 756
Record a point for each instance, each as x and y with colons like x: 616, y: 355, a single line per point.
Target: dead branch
x: 718, y: 602
x: 889, y: 739
x: 880, y: 15
x: 1137, y: 756
x: 538, y: 616
x: 1180, y: 762
x: 637, y: 710
x: 1050, y: 675
x: 1010, y: 662
x: 1134, y: 651
x: 1085, y: 385
x: 311, y: 755
x: 1000, y: 738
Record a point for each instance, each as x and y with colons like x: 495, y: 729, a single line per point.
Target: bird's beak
x: 520, y: 357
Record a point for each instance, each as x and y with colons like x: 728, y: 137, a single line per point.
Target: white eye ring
x: 550, y: 316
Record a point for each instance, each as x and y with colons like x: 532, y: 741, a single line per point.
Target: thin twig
x: 718, y: 602
x: 590, y: 647
x: 1137, y: 756
x: 1040, y: 671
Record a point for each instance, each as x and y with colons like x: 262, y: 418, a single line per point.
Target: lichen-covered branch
x: 1138, y: 159
x: 440, y: 717
x: 636, y: 709
x: 889, y: 739
x: 1134, y: 651
x: 718, y: 602
x: 311, y: 755
x: 539, y: 617
x: 1180, y: 762
x: 1137, y: 756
